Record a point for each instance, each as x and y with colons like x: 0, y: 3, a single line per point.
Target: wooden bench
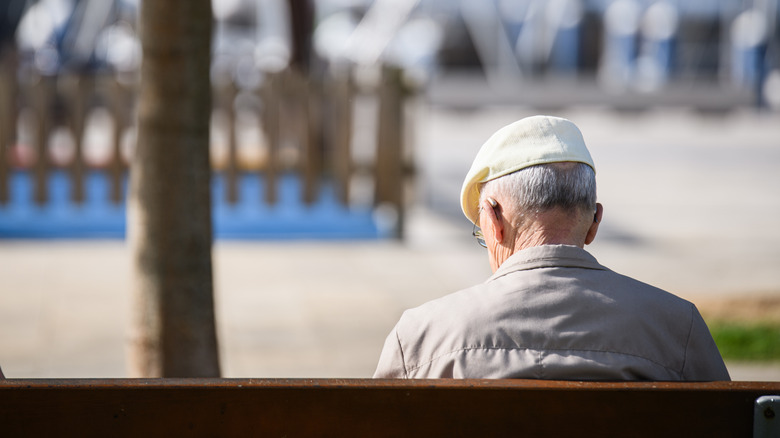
x: 377, y: 408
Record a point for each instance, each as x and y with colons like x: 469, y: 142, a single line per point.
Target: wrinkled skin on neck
x: 508, y: 231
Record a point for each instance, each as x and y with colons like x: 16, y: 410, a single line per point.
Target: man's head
x: 532, y: 183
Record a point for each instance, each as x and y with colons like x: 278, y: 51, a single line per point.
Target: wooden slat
x: 295, y: 124
x: 389, y: 157
x: 121, y: 107
x: 79, y: 90
x: 342, y: 97
x: 231, y: 169
x: 8, y: 117
x: 43, y: 95
x: 376, y: 408
x: 269, y: 95
x: 311, y: 103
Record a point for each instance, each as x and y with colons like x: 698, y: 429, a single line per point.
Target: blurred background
x: 340, y: 134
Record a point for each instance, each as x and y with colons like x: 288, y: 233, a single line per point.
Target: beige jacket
x: 553, y: 312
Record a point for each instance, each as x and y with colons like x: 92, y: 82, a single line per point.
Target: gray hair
x: 545, y: 186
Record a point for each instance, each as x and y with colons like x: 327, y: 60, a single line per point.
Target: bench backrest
x: 376, y: 408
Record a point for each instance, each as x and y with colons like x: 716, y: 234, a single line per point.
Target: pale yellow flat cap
x: 527, y: 142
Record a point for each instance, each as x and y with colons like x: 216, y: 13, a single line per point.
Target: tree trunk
x: 169, y: 208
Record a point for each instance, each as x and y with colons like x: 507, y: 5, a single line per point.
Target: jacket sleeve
x: 391, y: 361
x: 703, y: 361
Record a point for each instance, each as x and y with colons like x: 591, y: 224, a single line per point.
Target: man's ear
x: 594, y: 227
x: 495, y: 223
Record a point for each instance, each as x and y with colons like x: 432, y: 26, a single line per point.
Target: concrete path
x: 692, y: 205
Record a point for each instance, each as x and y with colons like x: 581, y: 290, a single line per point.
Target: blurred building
x: 621, y: 44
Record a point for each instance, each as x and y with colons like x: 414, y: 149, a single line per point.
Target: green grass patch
x: 746, y: 341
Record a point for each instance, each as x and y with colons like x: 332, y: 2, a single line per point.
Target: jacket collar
x: 548, y: 256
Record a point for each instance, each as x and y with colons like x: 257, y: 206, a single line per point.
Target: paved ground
x: 691, y: 205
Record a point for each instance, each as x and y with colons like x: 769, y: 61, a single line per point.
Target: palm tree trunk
x: 169, y: 208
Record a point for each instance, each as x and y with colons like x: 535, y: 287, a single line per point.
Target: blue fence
x: 250, y: 218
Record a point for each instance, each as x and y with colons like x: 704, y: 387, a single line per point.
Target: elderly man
x: 550, y: 310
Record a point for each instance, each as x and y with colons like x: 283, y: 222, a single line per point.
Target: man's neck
x: 553, y: 227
